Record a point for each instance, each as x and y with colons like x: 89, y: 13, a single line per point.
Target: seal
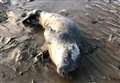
x: 62, y: 36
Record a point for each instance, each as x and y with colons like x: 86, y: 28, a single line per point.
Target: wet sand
x: 97, y: 20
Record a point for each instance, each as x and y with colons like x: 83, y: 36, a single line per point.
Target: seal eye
x: 50, y: 29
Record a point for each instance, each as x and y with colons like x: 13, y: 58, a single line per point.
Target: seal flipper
x: 45, y: 54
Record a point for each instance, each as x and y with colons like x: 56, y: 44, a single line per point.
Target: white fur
x: 75, y: 51
x: 57, y: 53
x: 60, y: 49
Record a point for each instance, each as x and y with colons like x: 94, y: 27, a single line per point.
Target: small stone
x: 63, y: 12
x: 30, y: 0
x: 93, y: 82
x: 3, y: 75
x: 103, y: 77
x: 119, y: 67
x: 110, y: 37
x: 94, y: 21
x: 33, y: 81
x: 20, y: 73
x: 101, y: 19
x: 23, y: 15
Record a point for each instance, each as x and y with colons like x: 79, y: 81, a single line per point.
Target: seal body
x: 63, y: 39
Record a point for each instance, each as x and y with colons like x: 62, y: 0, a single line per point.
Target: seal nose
x: 61, y: 71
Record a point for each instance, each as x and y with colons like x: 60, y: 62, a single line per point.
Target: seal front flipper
x: 45, y: 55
x: 42, y: 57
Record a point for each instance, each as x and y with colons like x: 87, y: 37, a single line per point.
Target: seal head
x: 32, y: 19
x: 70, y: 61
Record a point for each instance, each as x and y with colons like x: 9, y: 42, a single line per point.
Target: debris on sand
x: 21, y: 73
x: 30, y: 0
x: 1, y: 1
x: 11, y: 17
x: 114, y: 37
x: 23, y: 14
x: 63, y: 12
x: 94, y: 21
x: 33, y: 81
x: 3, y: 15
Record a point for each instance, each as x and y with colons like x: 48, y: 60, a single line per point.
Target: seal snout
x: 60, y: 71
x: 63, y: 70
x: 66, y: 69
x: 70, y: 60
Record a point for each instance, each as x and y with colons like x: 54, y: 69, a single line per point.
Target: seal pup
x: 62, y: 36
